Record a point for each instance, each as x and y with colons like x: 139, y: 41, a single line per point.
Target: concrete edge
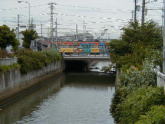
x: 11, y: 93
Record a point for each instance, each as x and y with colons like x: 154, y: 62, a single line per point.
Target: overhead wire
x: 109, y: 19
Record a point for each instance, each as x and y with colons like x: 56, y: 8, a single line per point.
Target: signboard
x: 95, y: 50
x: 66, y: 50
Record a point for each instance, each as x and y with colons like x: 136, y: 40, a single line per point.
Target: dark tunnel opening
x: 76, y: 66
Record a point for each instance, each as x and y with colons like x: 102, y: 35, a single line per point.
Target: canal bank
x: 13, y: 83
x: 137, y: 98
x: 73, y: 98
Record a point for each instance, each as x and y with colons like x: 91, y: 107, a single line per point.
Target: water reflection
x: 84, y: 99
x: 28, y: 103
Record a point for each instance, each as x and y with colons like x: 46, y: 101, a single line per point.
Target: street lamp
x: 28, y: 8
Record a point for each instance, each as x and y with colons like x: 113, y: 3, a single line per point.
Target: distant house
x: 79, y: 37
x: 40, y: 44
x: 45, y: 43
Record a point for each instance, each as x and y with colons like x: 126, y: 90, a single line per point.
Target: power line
x: 39, y: 5
x: 92, y: 8
x: 17, y: 8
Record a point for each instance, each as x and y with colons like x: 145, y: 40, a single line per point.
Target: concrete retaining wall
x: 12, y: 81
x: 8, y: 61
x: 117, y: 80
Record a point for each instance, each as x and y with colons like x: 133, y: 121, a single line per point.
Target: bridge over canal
x: 83, y: 62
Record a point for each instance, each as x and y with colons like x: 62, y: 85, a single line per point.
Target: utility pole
x: 133, y: 19
x: 18, y: 25
x: 31, y: 24
x: 41, y: 30
x: 29, y: 6
x: 135, y: 12
x: 56, y: 33
x: 76, y: 32
x: 143, y: 11
x: 84, y: 27
x: 52, y: 20
x: 56, y: 30
x: 29, y: 10
x: 164, y: 37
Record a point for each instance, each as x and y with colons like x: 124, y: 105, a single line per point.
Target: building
x: 40, y: 44
x: 79, y: 37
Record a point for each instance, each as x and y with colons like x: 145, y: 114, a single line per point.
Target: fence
x: 160, y: 79
x: 8, y: 61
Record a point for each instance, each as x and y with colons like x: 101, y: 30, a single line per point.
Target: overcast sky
x: 97, y: 14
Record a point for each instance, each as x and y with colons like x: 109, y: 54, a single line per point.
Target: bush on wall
x: 155, y: 116
x: 30, y: 60
x: 136, y: 77
x: 138, y: 103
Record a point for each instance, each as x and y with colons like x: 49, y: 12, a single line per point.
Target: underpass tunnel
x: 76, y: 66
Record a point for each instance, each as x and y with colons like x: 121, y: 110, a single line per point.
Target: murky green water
x: 65, y: 99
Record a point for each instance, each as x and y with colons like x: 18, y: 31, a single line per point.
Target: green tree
x: 29, y: 35
x: 148, y: 34
x: 7, y: 38
x: 120, y: 47
x: 136, y: 44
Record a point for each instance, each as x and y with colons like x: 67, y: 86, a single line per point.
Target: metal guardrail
x: 8, y: 61
x: 86, y: 56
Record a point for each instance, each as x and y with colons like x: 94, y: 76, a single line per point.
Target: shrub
x: 155, y: 116
x: 135, y: 56
x: 5, y: 68
x: 53, y: 55
x: 4, y: 54
x: 139, y: 102
x: 137, y: 77
x: 30, y: 60
x: 118, y: 98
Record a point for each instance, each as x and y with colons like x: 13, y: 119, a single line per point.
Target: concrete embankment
x: 117, y: 80
x: 13, y: 83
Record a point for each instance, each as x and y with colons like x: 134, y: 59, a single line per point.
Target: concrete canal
x: 73, y: 98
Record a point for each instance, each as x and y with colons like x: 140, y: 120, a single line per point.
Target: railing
x: 8, y: 61
x: 86, y: 56
x: 160, y: 79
